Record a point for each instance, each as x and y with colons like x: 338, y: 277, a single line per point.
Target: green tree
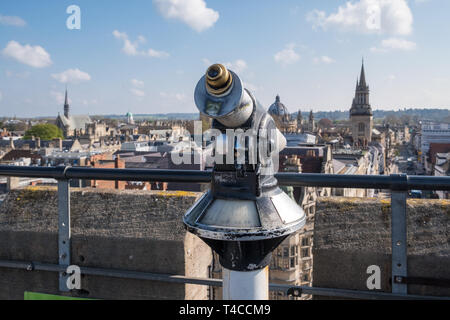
x: 44, y: 131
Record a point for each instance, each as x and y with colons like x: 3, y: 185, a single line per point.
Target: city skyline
x: 146, y: 58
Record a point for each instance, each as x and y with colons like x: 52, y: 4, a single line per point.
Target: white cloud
x: 252, y: 87
x: 137, y: 92
x: 72, y: 76
x: 34, y: 56
x: 194, y: 13
x: 90, y: 102
x: 401, y: 44
x: 394, y: 44
x: 237, y: 66
x: 173, y: 96
x: 287, y: 55
x: 137, y: 83
x: 12, y: 21
x: 20, y: 75
x: 180, y: 96
x: 324, y: 59
x: 132, y: 48
x: 206, y: 62
x: 367, y: 16
x: 391, y: 77
x: 59, y: 97
x: 157, y: 54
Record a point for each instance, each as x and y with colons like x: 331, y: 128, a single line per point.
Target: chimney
x: 11, y: 143
x: 116, y: 162
x: 117, y: 165
x: 38, y: 143
x: 12, y: 183
x: 58, y: 144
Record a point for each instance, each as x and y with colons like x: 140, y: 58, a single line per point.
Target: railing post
x: 399, y: 242
x: 63, y: 231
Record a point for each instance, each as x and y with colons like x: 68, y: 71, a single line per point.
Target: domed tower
x: 277, y: 108
x: 280, y: 114
x: 361, y: 115
x: 130, y: 119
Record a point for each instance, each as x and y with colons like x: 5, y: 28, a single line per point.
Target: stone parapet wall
x: 352, y: 234
x: 127, y: 230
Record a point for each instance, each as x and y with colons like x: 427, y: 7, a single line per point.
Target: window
x: 305, y: 253
x: 362, y: 127
x: 292, y: 262
x: 305, y: 242
x: 285, y: 252
x: 293, y: 251
x: 306, y: 277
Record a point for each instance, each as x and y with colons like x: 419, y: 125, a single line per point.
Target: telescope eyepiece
x: 214, y: 71
x: 218, y: 79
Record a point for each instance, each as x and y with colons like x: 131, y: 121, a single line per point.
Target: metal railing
x: 398, y: 184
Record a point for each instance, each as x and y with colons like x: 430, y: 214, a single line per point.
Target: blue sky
x: 146, y: 56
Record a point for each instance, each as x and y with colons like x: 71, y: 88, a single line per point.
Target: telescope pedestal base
x: 246, y: 285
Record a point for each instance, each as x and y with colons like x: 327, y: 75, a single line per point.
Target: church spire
x: 66, y: 106
x: 362, y: 79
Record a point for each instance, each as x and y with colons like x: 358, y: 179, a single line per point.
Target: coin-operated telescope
x: 244, y: 216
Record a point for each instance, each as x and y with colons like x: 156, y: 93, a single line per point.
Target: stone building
x: 130, y: 119
x: 361, y: 115
x: 72, y: 125
x: 310, y: 126
x: 288, y: 123
x: 283, y: 120
x: 369, y: 161
x: 292, y: 261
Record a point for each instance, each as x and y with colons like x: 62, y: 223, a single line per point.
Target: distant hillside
x: 159, y: 116
x: 442, y: 115
x: 421, y: 114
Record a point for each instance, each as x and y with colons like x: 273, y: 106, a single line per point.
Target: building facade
x: 72, y: 125
x: 431, y: 132
x: 361, y: 115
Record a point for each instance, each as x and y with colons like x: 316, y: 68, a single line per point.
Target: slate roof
x: 77, y: 122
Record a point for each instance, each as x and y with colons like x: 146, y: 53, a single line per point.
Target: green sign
x: 43, y: 296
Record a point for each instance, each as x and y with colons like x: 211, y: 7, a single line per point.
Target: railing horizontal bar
x: 342, y: 181
x: 33, y: 172
x: 393, y: 182
x: 352, y: 294
x: 37, y: 266
x: 123, y: 274
x: 192, y: 176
